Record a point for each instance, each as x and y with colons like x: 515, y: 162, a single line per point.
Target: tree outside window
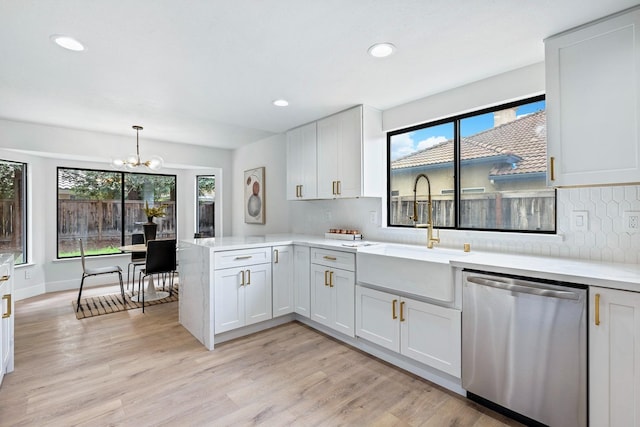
x: 13, y: 210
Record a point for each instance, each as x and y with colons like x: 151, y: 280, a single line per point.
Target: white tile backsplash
x: 605, y: 239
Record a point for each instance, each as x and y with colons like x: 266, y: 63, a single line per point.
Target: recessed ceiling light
x: 381, y: 50
x: 67, y: 42
x: 280, y: 102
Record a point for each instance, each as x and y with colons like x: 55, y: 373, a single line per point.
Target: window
x: 206, y: 190
x: 90, y: 206
x: 13, y: 212
x: 487, y: 171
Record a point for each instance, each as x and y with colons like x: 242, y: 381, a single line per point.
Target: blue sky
x: 410, y: 142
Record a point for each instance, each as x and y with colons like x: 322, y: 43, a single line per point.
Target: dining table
x: 150, y: 293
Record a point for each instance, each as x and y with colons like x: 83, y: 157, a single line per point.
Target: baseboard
x: 30, y: 291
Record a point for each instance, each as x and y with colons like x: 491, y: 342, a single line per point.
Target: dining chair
x: 86, y: 272
x: 161, y: 260
x: 137, y: 258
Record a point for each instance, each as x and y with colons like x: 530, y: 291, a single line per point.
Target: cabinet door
x: 257, y: 291
x: 342, y: 285
x: 4, y: 329
x: 301, y: 163
x: 593, y: 102
x: 321, y: 308
x: 431, y: 334
x: 229, y: 299
x: 377, y: 317
x: 282, y: 274
x: 328, y: 135
x: 349, y: 159
x: 614, y: 358
x: 301, y: 280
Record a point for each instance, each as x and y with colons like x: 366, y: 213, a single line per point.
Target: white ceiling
x: 206, y: 71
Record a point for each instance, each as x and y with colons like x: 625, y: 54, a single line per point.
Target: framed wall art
x: 254, y: 202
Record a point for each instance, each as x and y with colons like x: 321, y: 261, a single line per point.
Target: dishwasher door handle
x: 522, y: 287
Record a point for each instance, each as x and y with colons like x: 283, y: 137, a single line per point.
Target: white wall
x: 270, y: 153
x: 45, y: 148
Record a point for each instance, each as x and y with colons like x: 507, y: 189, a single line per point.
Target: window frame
x: 457, y: 191
x: 24, y: 229
x: 123, y: 174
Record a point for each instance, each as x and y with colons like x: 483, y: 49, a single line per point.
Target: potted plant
x: 150, y: 228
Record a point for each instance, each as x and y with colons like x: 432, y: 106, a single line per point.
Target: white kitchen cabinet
x: 301, y: 280
x: 242, y: 294
x: 6, y: 315
x: 614, y: 358
x: 593, y: 102
x: 333, y: 291
x: 350, y: 154
x: 427, y: 333
x: 301, y: 163
x: 282, y: 280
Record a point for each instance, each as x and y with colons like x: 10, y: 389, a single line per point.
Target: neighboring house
x: 502, y: 172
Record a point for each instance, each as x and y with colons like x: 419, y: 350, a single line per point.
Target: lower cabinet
x: 282, y: 276
x: 614, y: 357
x: 427, y: 333
x: 332, y: 291
x: 301, y: 280
x: 6, y: 315
x: 242, y: 296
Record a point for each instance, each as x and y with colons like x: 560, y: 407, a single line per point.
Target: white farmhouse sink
x: 406, y: 268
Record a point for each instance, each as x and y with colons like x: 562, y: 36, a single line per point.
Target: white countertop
x: 240, y: 242
x: 609, y: 275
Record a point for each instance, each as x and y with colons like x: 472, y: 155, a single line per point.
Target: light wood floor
x: 140, y: 370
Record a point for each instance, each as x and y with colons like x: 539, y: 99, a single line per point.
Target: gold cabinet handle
x: 333, y: 188
x: 402, y: 311
x: 326, y: 277
x: 338, y: 189
x: 8, y: 298
x: 242, y: 278
x: 242, y: 257
x: 331, y: 279
x: 4, y: 278
x: 300, y: 187
x: 597, y: 319
x: 393, y: 309
x: 248, y: 277
x: 275, y: 254
x: 330, y: 258
x: 552, y: 168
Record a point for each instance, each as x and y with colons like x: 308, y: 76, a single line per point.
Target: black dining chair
x: 137, y: 258
x: 86, y: 272
x: 160, y: 260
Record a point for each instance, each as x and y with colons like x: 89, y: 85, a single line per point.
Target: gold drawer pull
x: 8, y: 298
x: 242, y: 278
x: 242, y: 257
x: 4, y: 278
x: 552, y: 168
x: 394, y: 315
x: 402, y: 319
x: 248, y: 277
x: 597, y: 310
x: 275, y: 253
x: 331, y: 279
x: 330, y: 258
x: 326, y: 277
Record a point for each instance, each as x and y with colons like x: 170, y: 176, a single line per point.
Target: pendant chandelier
x: 132, y: 161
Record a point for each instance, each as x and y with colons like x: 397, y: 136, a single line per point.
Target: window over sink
x: 486, y: 171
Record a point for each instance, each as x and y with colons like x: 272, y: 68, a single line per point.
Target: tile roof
x: 521, y: 143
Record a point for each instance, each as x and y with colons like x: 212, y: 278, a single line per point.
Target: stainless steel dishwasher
x: 524, y: 347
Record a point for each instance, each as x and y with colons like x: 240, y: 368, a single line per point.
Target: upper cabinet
x: 349, y: 155
x: 301, y: 163
x: 593, y: 102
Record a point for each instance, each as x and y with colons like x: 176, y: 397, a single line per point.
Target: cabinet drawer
x: 337, y: 259
x: 241, y: 257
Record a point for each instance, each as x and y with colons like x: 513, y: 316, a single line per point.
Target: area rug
x: 112, y: 303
